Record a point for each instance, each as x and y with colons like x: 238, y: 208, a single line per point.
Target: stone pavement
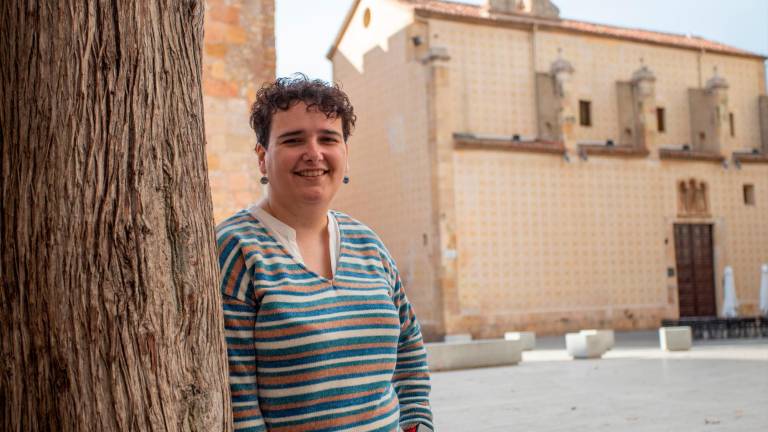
x: 717, y: 386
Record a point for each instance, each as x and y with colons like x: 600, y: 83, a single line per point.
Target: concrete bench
x: 479, y: 353
x: 528, y: 339
x: 606, y: 337
x: 675, y: 338
x: 584, y: 345
x: 458, y: 337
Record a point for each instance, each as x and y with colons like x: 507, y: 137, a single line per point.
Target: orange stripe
x: 237, y: 267
x: 247, y: 413
x: 310, y: 327
x: 335, y: 422
x: 234, y: 322
x: 325, y: 306
x: 242, y: 367
x: 325, y: 373
x: 324, y: 351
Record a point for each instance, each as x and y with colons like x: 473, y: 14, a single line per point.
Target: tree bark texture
x: 110, y: 315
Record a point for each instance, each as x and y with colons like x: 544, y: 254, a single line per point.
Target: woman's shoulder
x: 239, y: 226
x: 358, y: 233
x: 352, y: 226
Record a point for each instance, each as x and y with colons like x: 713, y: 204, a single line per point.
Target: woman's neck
x: 305, y: 221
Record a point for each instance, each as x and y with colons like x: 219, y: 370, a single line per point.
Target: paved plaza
x: 716, y: 386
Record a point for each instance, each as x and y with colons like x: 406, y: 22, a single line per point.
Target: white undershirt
x: 286, y: 235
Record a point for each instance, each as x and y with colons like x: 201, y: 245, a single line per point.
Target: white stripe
x: 249, y: 379
x: 286, y: 280
x: 376, y: 425
x: 250, y: 423
x: 246, y: 222
x: 323, y: 317
x: 248, y: 358
x: 246, y: 403
x: 280, y: 259
x: 408, y: 355
x: 301, y: 367
x: 242, y: 334
x: 295, y: 342
x: 277, y: 422
x: 322, y: 295
x: 365, y: 261
x: 237, y: 313
x: 408, y: 383
x: 366, y: 280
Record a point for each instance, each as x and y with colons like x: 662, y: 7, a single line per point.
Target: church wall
x: 390, y: 169
x: 551, y: 246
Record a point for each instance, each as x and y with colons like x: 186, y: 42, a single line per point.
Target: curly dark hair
x: 283, y: 93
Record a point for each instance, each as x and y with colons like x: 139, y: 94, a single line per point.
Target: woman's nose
x: 313, y: 151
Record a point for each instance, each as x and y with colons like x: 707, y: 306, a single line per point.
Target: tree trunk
x: 110, y: 315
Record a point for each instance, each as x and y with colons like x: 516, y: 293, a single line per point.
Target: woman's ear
x: 261, y: 153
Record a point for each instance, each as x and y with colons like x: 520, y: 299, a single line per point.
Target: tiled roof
x: 463, y: 10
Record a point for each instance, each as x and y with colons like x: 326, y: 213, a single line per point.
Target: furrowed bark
x: 110, y: 316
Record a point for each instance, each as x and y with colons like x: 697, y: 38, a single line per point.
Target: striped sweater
x: 311, y: 354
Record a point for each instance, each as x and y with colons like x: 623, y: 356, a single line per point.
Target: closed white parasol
x: 730, y: 302
x: 764, y: 290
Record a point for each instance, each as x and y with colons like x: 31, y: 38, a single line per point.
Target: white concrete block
x: 606, y: 337
x: 479, y: 353
x: 584, y: 345
x: 527, y: 338
x: 675, y: 338
x: 458, y: 337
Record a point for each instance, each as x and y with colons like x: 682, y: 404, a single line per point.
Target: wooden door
x: 695, y: 270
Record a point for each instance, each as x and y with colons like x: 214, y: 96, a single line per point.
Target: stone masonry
x: 239, y: 55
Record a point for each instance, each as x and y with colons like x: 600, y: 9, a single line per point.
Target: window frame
x: 585, y: 113
x: 748, y: 194
x: 661, y: 120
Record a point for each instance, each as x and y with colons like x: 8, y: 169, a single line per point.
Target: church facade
x: 530, y: 172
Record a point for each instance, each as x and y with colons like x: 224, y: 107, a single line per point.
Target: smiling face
x: 306, y: 158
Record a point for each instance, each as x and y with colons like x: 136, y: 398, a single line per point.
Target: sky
x: 305, y: 29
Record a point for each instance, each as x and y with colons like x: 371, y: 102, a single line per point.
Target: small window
x: 749, y: 194
x: 731, y: 123
x: 585, y: 113
x: 660, y: 126
x: 367, y: 17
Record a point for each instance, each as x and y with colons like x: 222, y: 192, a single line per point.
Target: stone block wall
x: 390, y: 165
x: 238, y: 57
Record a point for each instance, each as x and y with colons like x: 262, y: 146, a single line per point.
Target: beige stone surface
x: 390, y: 168
x: 490, y: 240
x: 238, y: 57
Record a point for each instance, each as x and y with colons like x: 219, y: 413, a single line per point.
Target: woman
x: 320, y: 334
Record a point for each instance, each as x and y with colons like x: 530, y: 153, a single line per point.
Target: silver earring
x: 264, y: 180
x: 346, y: 180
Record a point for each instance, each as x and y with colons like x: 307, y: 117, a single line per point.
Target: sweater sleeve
x: 239, y: 319
x: 239, y: 322
x: 411, y: 378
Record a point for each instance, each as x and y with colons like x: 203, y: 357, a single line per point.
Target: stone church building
x: 530, y: 172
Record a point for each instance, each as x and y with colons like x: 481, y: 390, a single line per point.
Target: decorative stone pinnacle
x: 643, y: 74
x: 716, y: 82
x: 560, y: 65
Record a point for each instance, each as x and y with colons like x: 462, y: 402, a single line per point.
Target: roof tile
x: 684, y: 41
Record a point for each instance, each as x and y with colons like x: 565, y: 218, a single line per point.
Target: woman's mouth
x: 311, y: 172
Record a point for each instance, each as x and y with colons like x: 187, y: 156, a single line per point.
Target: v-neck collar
x: 259, y: 215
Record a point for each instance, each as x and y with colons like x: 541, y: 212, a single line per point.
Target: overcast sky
x: 305, y: 29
